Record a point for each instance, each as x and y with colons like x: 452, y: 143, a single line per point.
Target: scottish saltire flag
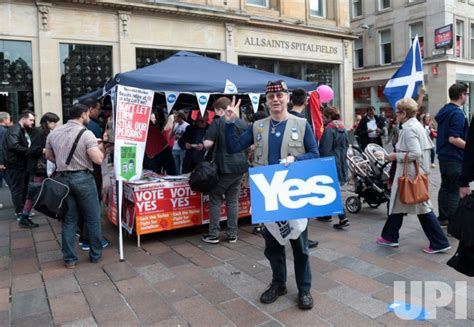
x: 406, y: 80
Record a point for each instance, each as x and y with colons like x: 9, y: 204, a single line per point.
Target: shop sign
x: 362, y: 93
x: 444, y: 37
x: 361, y: 78
x: 290, y: 45
x: 434, y: 70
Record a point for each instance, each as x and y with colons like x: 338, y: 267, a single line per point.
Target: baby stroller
x: 369, y: 174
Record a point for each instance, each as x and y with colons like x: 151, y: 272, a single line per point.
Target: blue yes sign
x: 304, y: 189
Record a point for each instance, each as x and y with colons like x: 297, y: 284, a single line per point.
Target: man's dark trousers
x: 275, y: 253
x: 18, y: 184
x: 448, y: 195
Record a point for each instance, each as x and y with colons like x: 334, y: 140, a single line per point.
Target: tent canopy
x: 189, y: 72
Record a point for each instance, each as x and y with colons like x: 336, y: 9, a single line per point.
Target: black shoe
x: 210, y: 239
x: 325, y: 219
x: 27, y: 223
x: 342, y: 223
x: 443, y: 223
x: 312, y: 244
x: 305, y: 300
x: 272, y: 293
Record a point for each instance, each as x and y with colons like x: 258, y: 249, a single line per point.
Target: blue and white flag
x: 406, y: 80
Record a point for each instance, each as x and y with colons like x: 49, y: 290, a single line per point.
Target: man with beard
x: 78, y: 175
x: 16, y: 144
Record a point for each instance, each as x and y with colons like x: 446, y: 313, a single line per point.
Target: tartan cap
x: 276, y: 86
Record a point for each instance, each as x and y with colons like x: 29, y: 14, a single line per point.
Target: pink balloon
x: 326, y: 94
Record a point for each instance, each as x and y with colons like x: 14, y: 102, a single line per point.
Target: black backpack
x: 204, y: 177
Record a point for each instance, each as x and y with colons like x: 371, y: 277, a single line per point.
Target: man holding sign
x: 280, y: 138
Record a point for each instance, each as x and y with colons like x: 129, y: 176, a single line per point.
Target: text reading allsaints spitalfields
x: 288, y: 45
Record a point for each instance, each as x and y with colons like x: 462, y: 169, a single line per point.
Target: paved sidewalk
x: 176, y: 280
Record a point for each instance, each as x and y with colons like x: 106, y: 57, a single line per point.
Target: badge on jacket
x: 294, y: 134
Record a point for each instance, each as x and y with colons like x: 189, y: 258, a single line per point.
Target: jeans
x: 429, y: 223
x: 83, y: 200
x: 448, y: 195
x: 275, y: 253
x: 178, y: 156
x: 229, y: 184
x: 18, y: 183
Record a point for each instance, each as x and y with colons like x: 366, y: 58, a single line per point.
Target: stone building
x: 386, y: 29
x: 53, y: 52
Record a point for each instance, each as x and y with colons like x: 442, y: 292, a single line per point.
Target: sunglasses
x: 278, y: 95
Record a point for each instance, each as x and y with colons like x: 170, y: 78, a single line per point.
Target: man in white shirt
x: 178, y: 131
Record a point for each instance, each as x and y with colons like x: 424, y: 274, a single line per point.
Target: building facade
x: 385, y: 30
x: 64, y: 49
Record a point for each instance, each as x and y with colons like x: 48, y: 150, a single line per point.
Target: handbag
x: 51, y: 198
x: 412, y: 191
x: 205, y: 176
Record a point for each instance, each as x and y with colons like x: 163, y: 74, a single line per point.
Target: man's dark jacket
x: 362, y: 133
x: 15, y: 148
x: 3, y: 130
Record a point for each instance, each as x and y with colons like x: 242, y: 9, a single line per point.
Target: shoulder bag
x: 413, y: 191
x: 51, y: 199
x: 205, y: 176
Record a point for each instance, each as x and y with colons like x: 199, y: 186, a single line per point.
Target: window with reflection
x: 146, y: 57
x: 16, y: 77
x: 316, y: 8
x: 84, y: 68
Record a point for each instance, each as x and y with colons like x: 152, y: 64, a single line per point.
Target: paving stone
x: 188, y: 250
x: 155, y: 248
x: 23, y: 233
x: 5, y: 318
x: 174, y: 290
x: 133, y: 286
x: 90, y: 274
x: 48, y: 256
x: 321, y: 283
x: 322, y: 266
x: 223, y: 253
x: 234, y: 311
x: 351, y: 318
x: 23, y: 253
x: 173, y: 322
x: 115, y: 314
x: 215, y: 292
x: 200, y: 312
x: 87, y: 322
x: 27, y: 282
x: 20, y: 243
x: 42, y: 319
x: 47, y: 246
x: 61, y: 285
x: 205, y: 261
x: 358, y: 301
x: 384, y: 263
x: 358, y: 282
x: 150, y: 308
x: 155, y: 273
x: 25, y: 266
x: 296, y: 317
x: 253, y: 252
x: 248, y: 265
x: 141, y: 259
x: 119, y: 270
x: 69, y: 307
x: 326, y: 254
x: 101, y: 293
x: 5, y: 251
x: 29, y: 303
x: 172, y: 259
x: 5, y: 280
x: 44, y: 236
x: 271, y: 323
x: 4, y: 299
x: 55, y: 269
x: 192, y: 274
x: 390, y: 319
x: 389, y: 277
x: 359, y: 266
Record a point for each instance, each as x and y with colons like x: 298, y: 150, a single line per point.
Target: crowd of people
x: 281, y: 134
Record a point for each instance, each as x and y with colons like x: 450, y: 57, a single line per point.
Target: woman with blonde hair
x: 414, y: 143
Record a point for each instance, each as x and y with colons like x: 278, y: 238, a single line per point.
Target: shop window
x: 146, y: 57
x: 359, y: 53
x: 385, y: 40
x: 84, y: 68
x: 417, y: 29
x: 356, y: 8
x: 472, y: 41
x: 258, y: 3
x: 16, y: 77
x: 459, y: 49
x: 384, y: 4
x: 267, y: 65
x: 316, y: 8
x: 290, y: 68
